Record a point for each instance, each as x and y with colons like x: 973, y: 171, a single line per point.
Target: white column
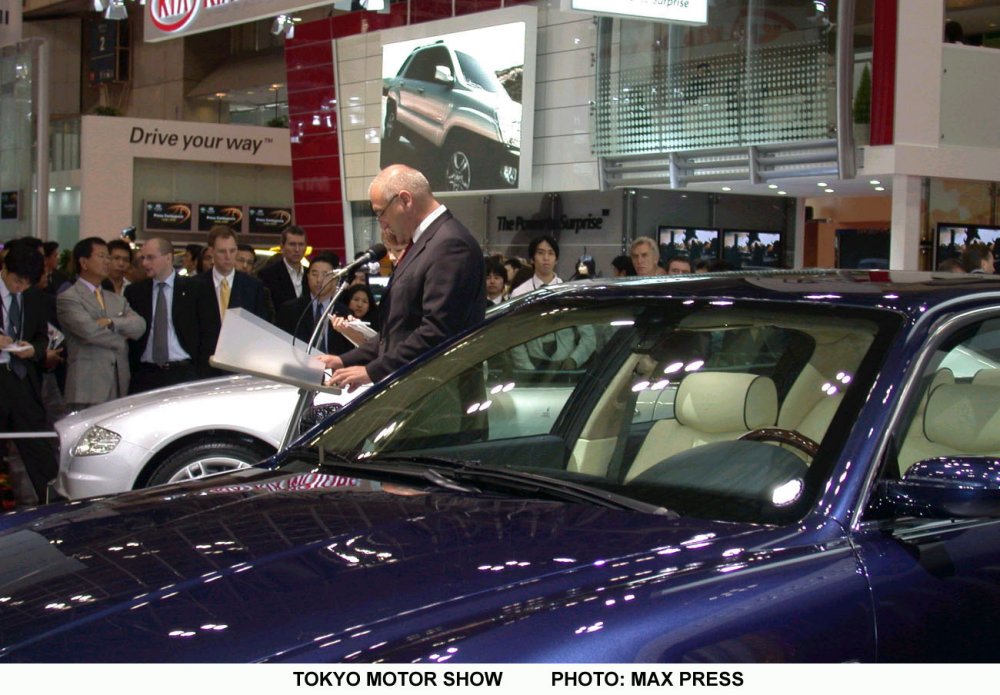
x: 918, y: 72
x: 904, y: 251
x: 800, y: 233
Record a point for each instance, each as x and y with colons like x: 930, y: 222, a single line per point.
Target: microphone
x: 375, y: 253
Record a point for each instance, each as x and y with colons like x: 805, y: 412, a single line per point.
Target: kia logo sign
x: 172, y: 15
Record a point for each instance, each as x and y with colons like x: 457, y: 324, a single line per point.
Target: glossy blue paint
x: 272, y: 564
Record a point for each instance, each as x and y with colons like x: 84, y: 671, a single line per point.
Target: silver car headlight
x: 96, y: 441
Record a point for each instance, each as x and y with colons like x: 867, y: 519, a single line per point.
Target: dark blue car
x: 775, y: 467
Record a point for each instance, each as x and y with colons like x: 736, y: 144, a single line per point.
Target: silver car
x: 175, y: 433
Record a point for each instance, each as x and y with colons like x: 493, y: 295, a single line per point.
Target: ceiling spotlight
x: 772, y: 186
x: 782, y: 192
x: 726, y: 188
x: 829, y: 190
x: 879, y: 188
x: 285, y: 25
x: 875, y: 182
x: 822, y: 185
x: 116, y: 10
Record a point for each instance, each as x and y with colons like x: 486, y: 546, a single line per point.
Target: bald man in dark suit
x: 437, y: 290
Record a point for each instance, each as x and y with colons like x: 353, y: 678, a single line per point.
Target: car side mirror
x: 957, y: 487
x: 442, y: 73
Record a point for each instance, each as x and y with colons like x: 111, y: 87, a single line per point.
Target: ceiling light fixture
x: 772, y: 186
x: 880, y: 188
x: 116, y: 10
x: 829, y: 190
x: 284, y: 25
x: 822, y: 185
x: 726, y: 188
x: 875, y: 182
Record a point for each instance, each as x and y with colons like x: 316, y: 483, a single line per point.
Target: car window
x: 423, y: 63
x: 648, y: 400
x: 959, y: 395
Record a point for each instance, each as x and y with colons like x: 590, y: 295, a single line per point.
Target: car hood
x: 262, y: 565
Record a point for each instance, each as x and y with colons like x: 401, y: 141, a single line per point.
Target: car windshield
x: 647, y: 399
x: 476, y: 74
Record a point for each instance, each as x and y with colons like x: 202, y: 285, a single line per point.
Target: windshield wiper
x: 530, y: 482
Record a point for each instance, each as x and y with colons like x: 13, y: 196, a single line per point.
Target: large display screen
x: 751, y: 249
x: 953, y: 239
x: 696, y: 244
x: 458, y: 100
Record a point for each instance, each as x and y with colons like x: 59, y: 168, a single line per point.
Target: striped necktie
x: 223, y: 296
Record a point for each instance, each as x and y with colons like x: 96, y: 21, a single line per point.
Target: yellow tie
x: 100, y: 299
x: 223, y: 296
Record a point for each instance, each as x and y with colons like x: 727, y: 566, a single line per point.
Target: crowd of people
x: 127, y: 320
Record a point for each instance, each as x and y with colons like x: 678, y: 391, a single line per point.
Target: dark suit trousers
x: 21, y: 410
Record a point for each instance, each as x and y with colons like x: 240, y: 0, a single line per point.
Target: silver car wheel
x: 459, y: 171
x: 207, y: 466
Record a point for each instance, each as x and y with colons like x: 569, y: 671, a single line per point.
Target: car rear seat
x: 710, y: 407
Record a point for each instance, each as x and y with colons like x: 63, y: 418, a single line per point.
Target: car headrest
x: 987, y: 377
x: 965, y: 417
x: 726, y: 401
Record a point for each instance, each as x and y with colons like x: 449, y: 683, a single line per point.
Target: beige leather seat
x: 710, y: 407
x: 959, y: 419
x: 915, y: 442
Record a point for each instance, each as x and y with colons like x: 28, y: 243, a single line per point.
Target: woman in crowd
x: 361, y: 323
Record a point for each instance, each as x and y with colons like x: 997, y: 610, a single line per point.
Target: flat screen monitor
x: 695, y: 243
x: 746, y: 249
x: 220, y: 215
x: 953, y: 239
x: 458, y: 100
x: 168, y: 216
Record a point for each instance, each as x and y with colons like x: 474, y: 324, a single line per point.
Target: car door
x: 425, y: 100
x: 936, y: 581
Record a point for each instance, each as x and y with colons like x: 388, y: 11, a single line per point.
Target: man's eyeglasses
x: 378, y: 213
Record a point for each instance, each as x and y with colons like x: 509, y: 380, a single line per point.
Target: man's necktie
x: 161, y: 354
x: 223, y: 296
x: 100, y: 299
x: 14, y: 319
x: 14, y: 331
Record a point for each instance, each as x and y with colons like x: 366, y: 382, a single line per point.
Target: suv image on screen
x: 446, y: 99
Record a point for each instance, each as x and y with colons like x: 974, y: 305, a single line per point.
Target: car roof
x: 910, y: 292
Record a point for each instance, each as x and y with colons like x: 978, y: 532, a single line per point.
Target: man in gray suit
x: 96, y: 324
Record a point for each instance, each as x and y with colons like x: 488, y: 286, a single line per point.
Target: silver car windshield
x: 652, y: 400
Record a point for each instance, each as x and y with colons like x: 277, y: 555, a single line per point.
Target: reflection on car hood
x: 263, y: 565
x: 219, y: 386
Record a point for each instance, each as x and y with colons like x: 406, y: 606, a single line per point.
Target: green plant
x: 863, y: 97
x: 278, y: 122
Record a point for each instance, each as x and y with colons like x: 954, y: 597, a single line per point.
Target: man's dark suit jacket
x: 35, y: 312
x: 288, y: 320
x: 277, y: 281
x: 247, y: 292
x: 438, y: 290
x: 195, y: 314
